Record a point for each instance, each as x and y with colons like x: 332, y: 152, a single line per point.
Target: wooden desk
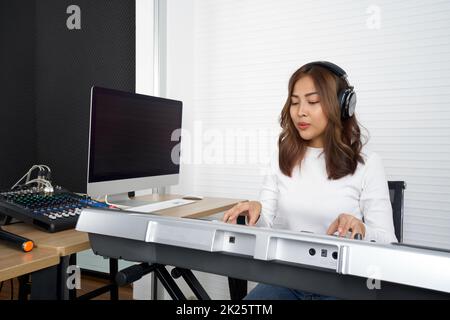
x: 61, y: 245
x: 199, y: 209
x: 14, y: 263
x: 69, y: 242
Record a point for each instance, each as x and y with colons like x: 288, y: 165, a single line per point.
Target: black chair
x: 396, y: 194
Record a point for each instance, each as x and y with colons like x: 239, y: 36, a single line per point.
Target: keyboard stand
x: 191, y: 281
x: 134, y: 273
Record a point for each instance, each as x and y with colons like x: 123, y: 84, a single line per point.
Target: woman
x: 320, y: 181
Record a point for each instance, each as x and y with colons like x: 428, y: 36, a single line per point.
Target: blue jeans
x: 269, y: 292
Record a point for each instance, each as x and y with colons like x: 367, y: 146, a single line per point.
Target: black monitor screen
x: 131, y: 135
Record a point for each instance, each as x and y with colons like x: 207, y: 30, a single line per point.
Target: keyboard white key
x: 152, y: 207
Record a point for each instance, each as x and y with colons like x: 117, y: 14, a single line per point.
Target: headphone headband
x: 347, y: 97
x: 331, y: 67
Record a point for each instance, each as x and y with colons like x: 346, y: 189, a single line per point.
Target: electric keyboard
x: 51, y: 212
x: 316, y: 263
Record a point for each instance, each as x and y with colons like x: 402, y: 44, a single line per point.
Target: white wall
x: 399, y: 63
x: 180, y: 86
x: 144, y: 85
x: 230, y: 60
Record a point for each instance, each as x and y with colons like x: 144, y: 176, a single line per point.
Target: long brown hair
x: 342, y: 138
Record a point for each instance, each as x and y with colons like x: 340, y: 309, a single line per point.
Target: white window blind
x: 397, y: 55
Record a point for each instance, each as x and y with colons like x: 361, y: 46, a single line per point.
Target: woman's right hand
x: 251, y: 209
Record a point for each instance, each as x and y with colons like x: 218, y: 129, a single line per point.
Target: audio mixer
x: 52, y: 212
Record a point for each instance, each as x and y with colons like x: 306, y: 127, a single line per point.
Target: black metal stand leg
x: 24, y: 287
x: 63, y: 289
x: 73, y: 262
x: 45, y: 284
x: 238, y: 287
x: 169, y: 284
x: 113, y: 269
x: 192, y: 282
x: 154, y: 281
x: 51, y: 283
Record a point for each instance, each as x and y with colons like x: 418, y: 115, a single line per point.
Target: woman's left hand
x: 346, y: 222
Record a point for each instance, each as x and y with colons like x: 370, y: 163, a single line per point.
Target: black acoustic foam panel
x: 68, y: 63
x: 17, y: 90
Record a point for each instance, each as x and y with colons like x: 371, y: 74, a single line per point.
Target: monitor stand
x: 124, y: 199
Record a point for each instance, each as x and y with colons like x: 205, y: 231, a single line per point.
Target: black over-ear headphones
x: 347, y: 96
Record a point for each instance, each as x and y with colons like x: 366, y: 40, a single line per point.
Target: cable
x: 31, y: 170
x: 106, y: 201
x: 42, y: 174
x: 27, y: 174
x: 117, y: 206
x: 46, y: 167
x: 15, y: 185
x: 43, y: 177
x: 49, y: 187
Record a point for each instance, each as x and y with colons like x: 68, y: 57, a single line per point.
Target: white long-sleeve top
x: 309, y: 201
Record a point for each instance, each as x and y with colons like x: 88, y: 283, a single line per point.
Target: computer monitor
x: 134, y: 144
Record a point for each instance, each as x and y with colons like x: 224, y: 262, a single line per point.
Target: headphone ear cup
x: 342, y: 98
x: 351, y: 103
x: 347, y: 103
